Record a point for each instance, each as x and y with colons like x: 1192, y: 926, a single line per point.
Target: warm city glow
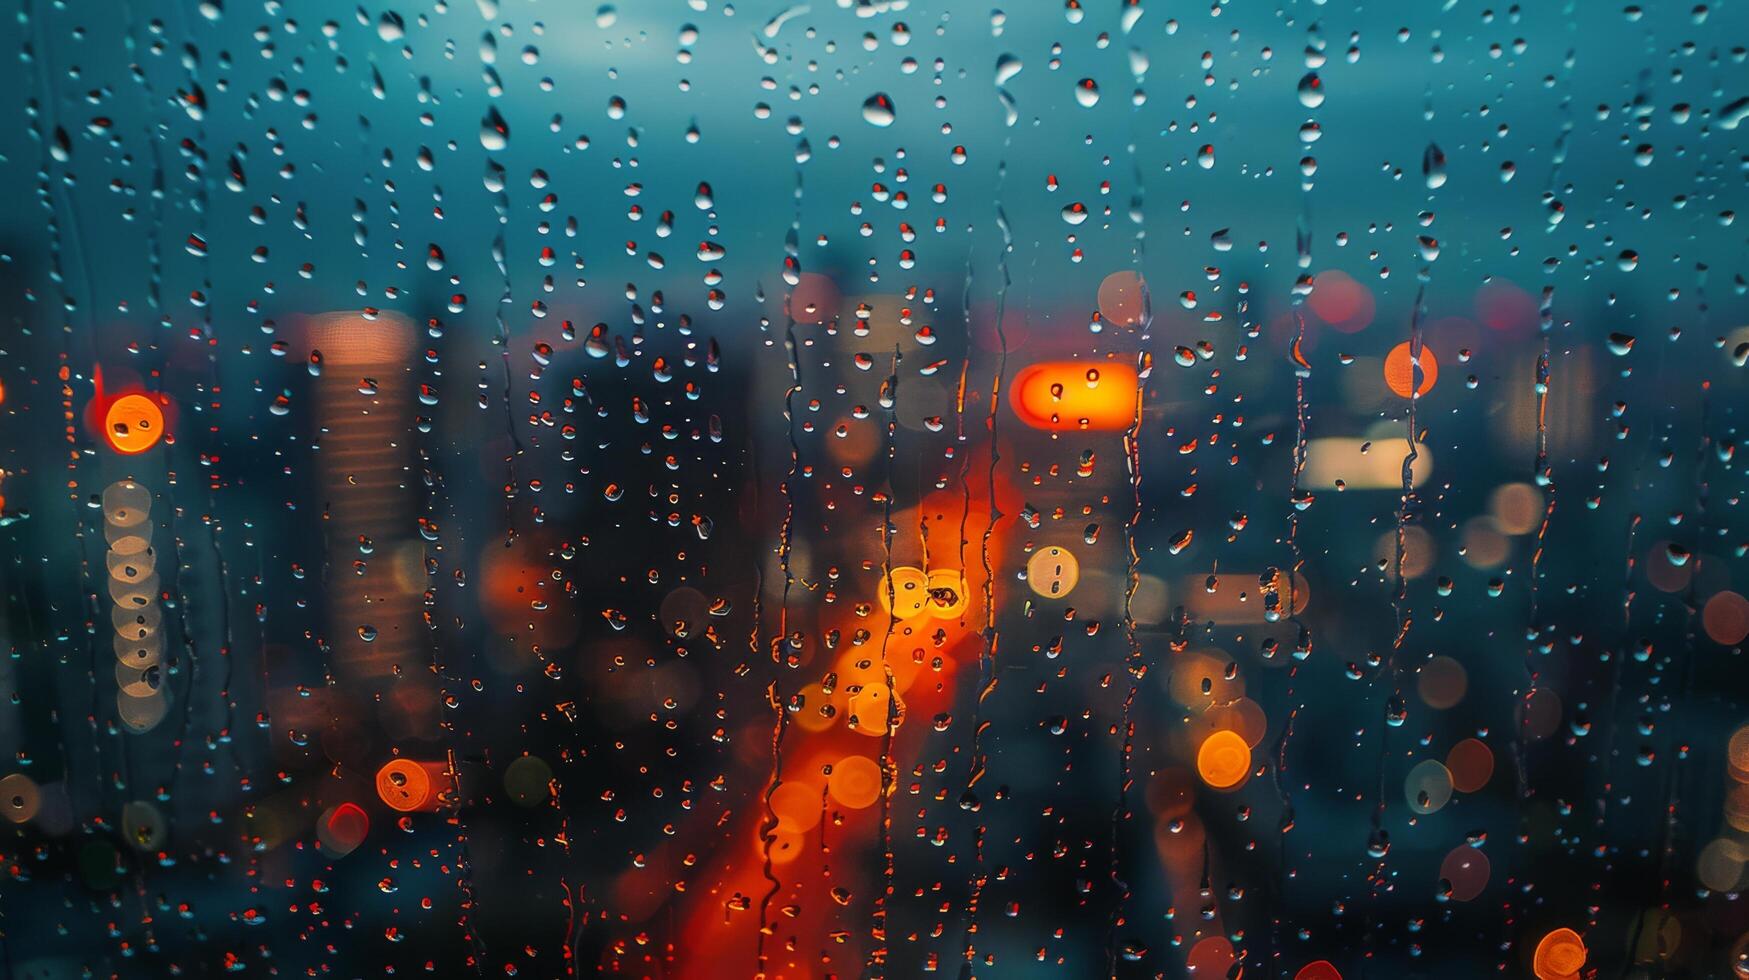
x: 1075, y: 396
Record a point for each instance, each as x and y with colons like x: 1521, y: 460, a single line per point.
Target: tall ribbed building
x: 364, y: 410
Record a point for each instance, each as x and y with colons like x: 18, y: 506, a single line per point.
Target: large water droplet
x: 878, y: 110
x: 1433, y: 166
x: 494, y: 131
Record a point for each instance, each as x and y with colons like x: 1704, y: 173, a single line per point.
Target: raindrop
x: 494, y: 131
x: 877, y: 110
x: 1433, y: 166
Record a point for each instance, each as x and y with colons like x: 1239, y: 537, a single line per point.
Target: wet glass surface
x: 873, y: 489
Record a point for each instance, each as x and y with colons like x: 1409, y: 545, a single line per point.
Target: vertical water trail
x: 768, y: 822
x: 877, y: 957
x: 1297, y: 504
x: 968, y: 800
x: 1298, y: 501
x: 502, y: 342
x: 1134, y: 663
x: 786, y: 533
x: 987, y: 654
x: 1379, y: 841
x: 464, y: 869
x: 1543, y: 475
x: 1406, y: 499
x: 959, y: 422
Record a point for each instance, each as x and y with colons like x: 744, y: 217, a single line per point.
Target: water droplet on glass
x: 494, y: 131
x: 877, y: 110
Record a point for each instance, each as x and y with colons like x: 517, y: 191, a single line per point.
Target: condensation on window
x: 873, y: 488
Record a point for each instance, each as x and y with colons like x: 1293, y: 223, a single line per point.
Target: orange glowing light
x: 1212, y: 956
x: 1203, y: 678
x: 1726, y: 618
x: 786, y: 846
x: 797, y: 806
x: 1737, y: 753
x: 869, y: 709
x: 1319, y: 970
x: 904, y: 592
x: 1230, y: 604
x: 133, y: 424
x: 1559, y: 955
x: 1471, y: 764
x: 1243, y: 716
x: 929, y: 648
x: 1060, y: 396
x: 865, y: 673
x: 519, y: 593
x: 409, y: 786
x: 855, y: 782
x: 819, y: 709
x: 948, y: 595
x: 1737, y: 803
x: 1053, y: 572
x: 1400, y: 373
x: 1224, y: 759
